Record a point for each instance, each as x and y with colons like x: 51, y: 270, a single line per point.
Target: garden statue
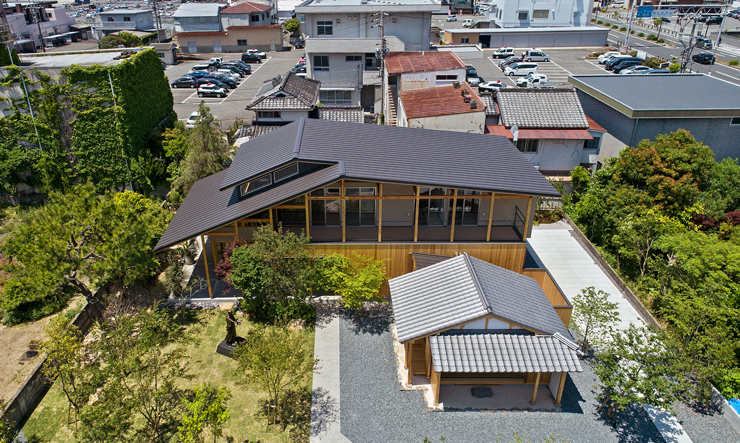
x: 231, y: 323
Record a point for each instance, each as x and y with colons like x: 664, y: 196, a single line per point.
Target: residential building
x: 246, y: 14
x: 451, y: 108
x: 233, y: 39
x: 554, y: 37
x: 707, y: 107
x: 166, y: 51
x: 460, y: 6
x: 387, y: 191
x: 286, y: 8
x: 198, y: 17
x: 25, y: 19
x: 126, y: 20
x: 285, y: 99
x: 540, y: 14
x: 462, y: 320
x: 548, y: 126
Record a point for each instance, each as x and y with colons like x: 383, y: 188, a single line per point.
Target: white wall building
x: 540, y: 13
x: 126, y: 20
x: 198, y: 17
x: 53, y: 21
x: 246, y: 14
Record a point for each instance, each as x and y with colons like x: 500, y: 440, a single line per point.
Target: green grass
x: 208, y: 328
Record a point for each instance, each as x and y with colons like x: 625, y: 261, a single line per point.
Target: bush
x: 599, y: 22
x: 653, y: 62
x: 632, y: 32
x: 595, y: 54
x: 633, y: 54
x: 593, y: 19
x: 642, y: 34
x: 615, y: 27
x: 652, y: 37
x: 733, y: 63
x: 674, y: 68
x: 660, y: 40
x: 623, y: 28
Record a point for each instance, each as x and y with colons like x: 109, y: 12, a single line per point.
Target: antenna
x: 515, y: 132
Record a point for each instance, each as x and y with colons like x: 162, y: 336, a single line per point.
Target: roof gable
x: 246, y: 8
x: 541, y: 108
x: 422, y: 61
x: 443, y: 100
x: 290, y: 92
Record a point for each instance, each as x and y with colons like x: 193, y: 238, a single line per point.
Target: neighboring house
x: 550, y: 37
x: 22, y: 18
x: 639, y: 108
x: 126, y: 20
x: 459, y: 6
x: 540, y: 13
x: 450, y: 108
x: 491, y: 108
x: 549, y: 126
x: 198, y: 17
x: 286, y: 8
x: 465, y: 321
x: 385, y: 190
x: 285, y: 99
x: 166, y: 51
x: 233, y: 39
x: 246, y: 14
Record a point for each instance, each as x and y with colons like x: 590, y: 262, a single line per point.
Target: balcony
x: 117, y: 26
x: 371, y: 77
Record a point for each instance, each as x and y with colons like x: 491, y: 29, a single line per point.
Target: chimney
x: 473, y: 105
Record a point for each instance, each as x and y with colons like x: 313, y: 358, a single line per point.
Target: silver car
x: 533, y: 55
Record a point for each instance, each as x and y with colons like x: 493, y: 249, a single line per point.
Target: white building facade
x: 53, y: 21
x: 539, y: 13
x: 126, y: 20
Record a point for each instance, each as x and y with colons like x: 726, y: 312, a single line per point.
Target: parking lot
x: 228, y: 109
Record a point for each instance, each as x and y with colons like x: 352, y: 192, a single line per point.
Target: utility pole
x: 629, y: 27
x: 157, y: 20
x: 37, y: 17
x: 383, y: 86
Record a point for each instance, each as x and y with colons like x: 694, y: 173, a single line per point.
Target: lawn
x: 207, y: 328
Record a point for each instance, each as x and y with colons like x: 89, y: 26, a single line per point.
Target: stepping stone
x: 481, y: 392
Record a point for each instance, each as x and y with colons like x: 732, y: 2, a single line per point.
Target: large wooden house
x: 376, y: 190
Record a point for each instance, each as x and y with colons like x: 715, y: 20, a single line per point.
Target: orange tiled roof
x: 444, y: 100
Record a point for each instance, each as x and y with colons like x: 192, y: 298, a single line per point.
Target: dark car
x: 211, y: 81
x: 211, y: 90
x: 705, y: 58
x: 223, y: 79
x: 241, y: 64
x: 611, y: 64
x: 299, y: 44
x: 508, y: 61
x: 626, y: 64
x: 251, y: 58
x: 233, y: 69
x: 241, y: 69
x: 195, y: 74
x: 300, y: 68
x: 184, y: 82
x: 470, y: 71
x: 710, y: 19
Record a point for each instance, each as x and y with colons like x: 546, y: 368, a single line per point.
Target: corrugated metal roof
x: 463, y: 288
x: 443, y: 100
x: 206, y: 207
x: 421, y: 61
x: 198, y: 10
x: 592, y: 125
x: 497, y: 353
x: 394, y: 154
x: 541, y: 108
x: 292, y: 92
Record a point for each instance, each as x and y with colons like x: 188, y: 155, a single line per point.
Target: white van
x: 521, y: 68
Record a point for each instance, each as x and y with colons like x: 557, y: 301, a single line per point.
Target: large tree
x: 593, y: 316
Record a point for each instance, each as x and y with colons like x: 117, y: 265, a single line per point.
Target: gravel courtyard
x: 373, y: 409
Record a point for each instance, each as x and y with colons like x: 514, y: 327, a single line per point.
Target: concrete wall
x: 473, y: 122
x: 421, y: 80
x: 559, y: 13
x: 206, y: 24
x: 58, y: 23
x: 534, y: 39
x: 410, y: 27
x: 141, y: 21
x: 556, y: 155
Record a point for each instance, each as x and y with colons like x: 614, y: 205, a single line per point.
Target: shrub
x: 593, y: 19
x: 632, y: 32
x: 660, y: 40
x: 653, y: 62
x: 594, y: 54
x: 633, y: 54
x: 599, y: 22
x: 652, y: 37
x: 642, y: 34
x: 623, y: 28
x: 615, y: 27
x: 674, y: 68
x: 733, y: 63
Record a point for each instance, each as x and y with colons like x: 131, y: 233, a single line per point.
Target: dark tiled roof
x: 541, y: 108
x: 491, y: 107
x: 421, y: 61
x: 354, y: 115
x: 290, y: 92
x: 443, y: 100
x: 498, y: 353
x: 461, y: 289
x: 260, y: 130
x: 394, y: 154
x: 246, y: 8
x: 422, y: 260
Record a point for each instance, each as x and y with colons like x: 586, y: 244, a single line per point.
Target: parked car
x: 605, y: 56
x: 211, y: 90
x: 520, y: 69
x: 229, y: 82
x: 491, y: 86
x: 451, y: 18
x: 613, y: 59
x: 503, y: 52
x: 470, y: 71
x: 657, y: 71
x: 639, y: 69
x: 509, y: 60
x: 611, y: 64
x: 257, y: 52
x: 467, y: 23
x: 627, y: 64
x: 212, y: 81
x: 705, y: 58
x: 190, y: 122
x: 205, y: 67
x: 195, y: 74
x: 184, y: 82
x: 242, y: 64
x: 250, y: 58
x: 241, y: 70
x: 533, y: 55
x: 531, y: 80
x: 474, y: 80
x: 230, y: 74
x: 217, y: 61
x: 300, y: 68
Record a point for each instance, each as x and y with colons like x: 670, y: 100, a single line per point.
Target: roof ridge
x: 567, y: 342
x: 478, y: 287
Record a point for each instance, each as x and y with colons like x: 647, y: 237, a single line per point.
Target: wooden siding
x: 557, y: 299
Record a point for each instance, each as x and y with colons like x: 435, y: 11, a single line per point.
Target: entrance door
x: 217, y: 47
x: 192, y: 47
x: 485, y: 41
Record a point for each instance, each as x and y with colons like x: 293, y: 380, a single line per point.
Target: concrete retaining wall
x: 721, y: 404
x: 31, y: 393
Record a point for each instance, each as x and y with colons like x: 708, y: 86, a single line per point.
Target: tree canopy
x: 125, y: 39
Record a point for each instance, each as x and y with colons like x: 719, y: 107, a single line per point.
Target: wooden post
x: 526, y: 222
x: 454, y: 215
x: 380, y: 212
x: 428, y: 356
x: 490, y: 216
x: 213, y: 254
x: 272, y: 222
x: 536, y: 385
x: 406, y: 360
x: 344, y: 216
x: 308, y: 220
x: 236, y: 230
x: 205, y: 260
x: 416, y: 215
x: 560, y: 388
x: 435, y: 379
x: 411, y: 360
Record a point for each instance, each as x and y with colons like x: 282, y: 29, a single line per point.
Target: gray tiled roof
x: 463, y: 288
x: 541, y: 108
x: 354, y: 115
x: 503, y: 353
x: 491, y: 108
x: 291, y: 92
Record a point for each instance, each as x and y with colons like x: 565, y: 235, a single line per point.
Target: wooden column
x: 205, y: 260
x: 407, y: 359
x: 435, y: 379
x: 560, y: 388
x: 416, y: 215
x: 272, y: 223
x: 526, y: 222
x: 490, y: 216
x: 454, y: 215
x: 411, y: 360
x: 428, y: 356
x: 536, y: 385
x: 213, y: 254
x: 308, y: 219
x: 344, y: 216
x: 380, y: 212
x: 236, y: 230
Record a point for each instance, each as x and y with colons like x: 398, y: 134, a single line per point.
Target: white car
x: 467, y: 23
x: 605, y: 56
x: 635, y: 70
x: 451, y: 18
x: 228, y: 73
x: 491, y: 86
x: 531, y: 80
x: 503, y: 52
x: 256, y: 52
x: 520, y: 69
x: 190, y: 122
x: 218, y: 60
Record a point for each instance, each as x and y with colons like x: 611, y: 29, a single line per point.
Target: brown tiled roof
x: 444, y: 100
x: 289, y: 92
x: 421, y: 61
x: 246, y: 8
x: 541, y: 108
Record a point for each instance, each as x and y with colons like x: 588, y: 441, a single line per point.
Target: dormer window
x: 268, y: 179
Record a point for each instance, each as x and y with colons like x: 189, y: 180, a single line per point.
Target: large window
x: 268, y: 114
x: 255, y: 18
x: 466, y: 208
x: 353, y: 58
x: 591, y: 144
x: 464, y: 39
x: 527, y: 145
x: 523, y: 15
x: 540, y: 13
x: 335, y: 97
x: 320, y: 62
x: 240, y: 42
x: 326, y: 212
x: 432, y: 211
x: 360, y: 212
x: 324, y: 28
